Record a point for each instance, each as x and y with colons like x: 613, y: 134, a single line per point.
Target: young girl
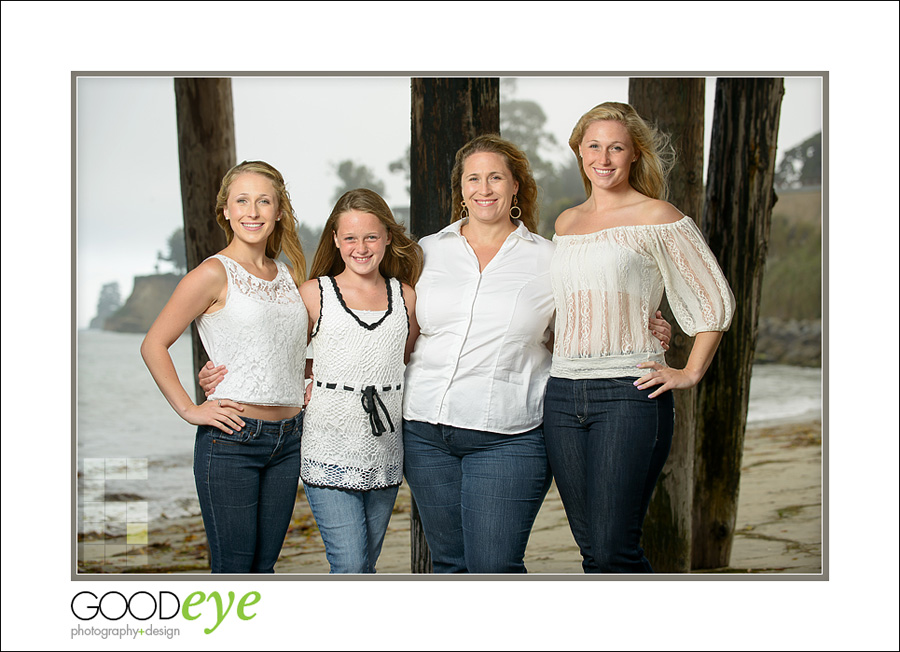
x: 251, y: 317
x: 362, y: 327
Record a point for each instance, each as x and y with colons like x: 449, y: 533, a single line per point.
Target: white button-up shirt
x: 480, y: 361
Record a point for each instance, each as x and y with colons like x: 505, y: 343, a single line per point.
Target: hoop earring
x: 465, y: 211
x: 515, y: 207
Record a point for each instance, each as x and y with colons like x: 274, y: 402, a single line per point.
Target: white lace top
x: 606, y: 285
x: 260, y: 336
x: 352, y: 435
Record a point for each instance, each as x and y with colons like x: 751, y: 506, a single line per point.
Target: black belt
x: 349, y: 388
x: 371, y: 401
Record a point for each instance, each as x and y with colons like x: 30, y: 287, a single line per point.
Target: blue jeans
x: 607, y: 443
x: 352, y: 524
x: 247, y: 483
x: 477, y: 492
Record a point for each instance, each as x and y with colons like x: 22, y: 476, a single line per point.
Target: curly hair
x: 648, y: 175
x: 285, y: 234
x: 518, y: 165
x: 403, y: 256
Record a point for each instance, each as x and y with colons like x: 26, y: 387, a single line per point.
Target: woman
x: 251, y: 317
x: 608, y: 413
x: 475, y: 458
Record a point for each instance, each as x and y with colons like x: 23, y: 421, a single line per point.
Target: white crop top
x: 260, y: 336
x: 608, y: 284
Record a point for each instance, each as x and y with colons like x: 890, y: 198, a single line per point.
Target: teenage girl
x: 251, y: 317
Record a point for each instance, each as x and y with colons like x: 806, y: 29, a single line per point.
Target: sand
x: 779, y: 523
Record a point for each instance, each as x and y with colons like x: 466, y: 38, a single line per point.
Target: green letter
x: 245, y: 603
x: 220, y: 616
x: 190, y: 602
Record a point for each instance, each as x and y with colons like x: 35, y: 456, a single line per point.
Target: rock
x: 147, y: 299
x: 792, y: 342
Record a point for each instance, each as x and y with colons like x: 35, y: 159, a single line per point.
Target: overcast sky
x: 129, y: 201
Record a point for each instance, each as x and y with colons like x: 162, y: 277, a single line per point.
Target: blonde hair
x: 402, y: 257
x: 518, y: 165
x: 285, y: 234
x: 648, y: 175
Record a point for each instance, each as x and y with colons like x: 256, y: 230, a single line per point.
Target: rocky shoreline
x: 791, y: 342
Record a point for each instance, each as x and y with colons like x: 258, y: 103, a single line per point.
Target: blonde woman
x: 251, y: 317
x: 608, y: 413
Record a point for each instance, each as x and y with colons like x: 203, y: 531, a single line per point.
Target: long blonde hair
x: 648, y: 175
x: 285, y: 234
x: 402, y: 257
x: 518, y: 165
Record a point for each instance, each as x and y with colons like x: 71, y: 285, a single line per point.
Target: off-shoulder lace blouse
x: 607, y: 285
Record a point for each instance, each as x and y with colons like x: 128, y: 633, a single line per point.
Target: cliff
x: 147, y: 299
x: 97, y: 322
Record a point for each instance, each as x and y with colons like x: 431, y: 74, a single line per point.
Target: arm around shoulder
x: 311, y: 294
x: 409, y: 298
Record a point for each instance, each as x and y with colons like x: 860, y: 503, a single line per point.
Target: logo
x: 165, y: 605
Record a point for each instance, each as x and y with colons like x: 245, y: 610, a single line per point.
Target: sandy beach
x: 779, y: 524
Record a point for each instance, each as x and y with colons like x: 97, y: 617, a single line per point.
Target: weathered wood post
x: 206, y: 152
x: 676, y: 106
x: 446, y: 114
x: 735, y: 223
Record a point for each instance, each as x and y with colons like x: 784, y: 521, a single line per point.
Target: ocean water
x: 123, y: 419
x: 780, y: 393
x: 122, y: 416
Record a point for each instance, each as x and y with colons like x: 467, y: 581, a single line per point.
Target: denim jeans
x: 477, y: 492
x: 352, y: 524
x: 607, y: 443
x: 247, y: 483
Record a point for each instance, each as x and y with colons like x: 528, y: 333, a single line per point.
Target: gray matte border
x: 75, y: 575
